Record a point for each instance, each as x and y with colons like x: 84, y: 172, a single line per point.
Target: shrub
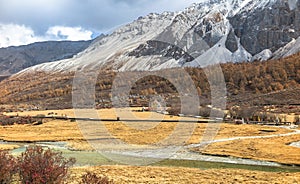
x: 7, y: 120
x: 40, y: 115
x: 205, y: 112
x: 41, y: 166
x: 92, y: 178
x: 174, y: 110
x: 7, y: 167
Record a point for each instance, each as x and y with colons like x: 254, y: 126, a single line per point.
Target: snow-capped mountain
x: 205, y: 33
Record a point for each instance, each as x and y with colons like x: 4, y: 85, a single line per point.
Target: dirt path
x: 185, y: 154
x: 275, y: 148
x: 296, y: 132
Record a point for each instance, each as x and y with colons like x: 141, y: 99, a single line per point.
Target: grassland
x: 275, y: 149
x: 58, y: 130
x: 50, y: 131
x: 271, y: 149
x: 8, y: 146
x: 130, y: 174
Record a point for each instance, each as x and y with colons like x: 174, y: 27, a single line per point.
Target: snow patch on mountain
x: 262, y: 56
x: 291, y: 48
x: 292, y: 4
x: 219, y: 54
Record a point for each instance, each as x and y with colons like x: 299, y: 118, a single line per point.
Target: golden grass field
x: 147, y: 174
x: 58, y: 130
x: 271, y: 149
x: 55, y: 130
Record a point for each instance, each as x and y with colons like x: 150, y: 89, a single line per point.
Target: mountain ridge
x: 16, y: 58
x: 230, y: 30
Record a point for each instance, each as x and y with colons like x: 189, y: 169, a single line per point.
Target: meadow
x: 230, y: 141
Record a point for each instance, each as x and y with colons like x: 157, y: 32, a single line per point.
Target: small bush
x: 174, y: 111
x: 92, y: 178
x: 7, y: 167
x: 40, y: 115
x: 205, y: 111
x: 41, y: 166
x: 7, y: 120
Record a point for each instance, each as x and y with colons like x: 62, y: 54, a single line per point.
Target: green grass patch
x: 90, y: 158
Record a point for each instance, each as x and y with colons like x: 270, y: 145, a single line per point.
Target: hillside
x: 250, y: 83
x: 15, y: 59
x: 204, y: 34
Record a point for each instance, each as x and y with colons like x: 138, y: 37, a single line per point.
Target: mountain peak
x: 230, y: 30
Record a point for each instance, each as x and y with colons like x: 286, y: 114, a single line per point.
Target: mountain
x: 258, y: 83
x: 15, y: 59
x: 216, y: 31
x: 205, y: 33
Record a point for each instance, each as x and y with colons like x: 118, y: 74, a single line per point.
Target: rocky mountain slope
x: 205, y: 33
x: 15, y: 59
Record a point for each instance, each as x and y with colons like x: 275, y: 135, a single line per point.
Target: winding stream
x: 83, y: 158
x: 296, y: 132
x: 92, y: 158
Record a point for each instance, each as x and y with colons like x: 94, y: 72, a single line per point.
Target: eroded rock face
x: 161, y: 48
x: 231, y: 42
x: 212, y: 28
x: 256, y: 27
x: 267, y: 28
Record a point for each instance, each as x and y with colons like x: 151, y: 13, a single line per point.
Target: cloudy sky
x: 27, y: 21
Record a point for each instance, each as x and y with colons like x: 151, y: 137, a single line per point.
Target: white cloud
x: 15, y: 35
x: 39, y: 15
x: 69, y: 33
x: 12, y: 34
x: 92, y: 14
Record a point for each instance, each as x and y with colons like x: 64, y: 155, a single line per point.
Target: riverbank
x: 235, y: 139
x: 275, y: 149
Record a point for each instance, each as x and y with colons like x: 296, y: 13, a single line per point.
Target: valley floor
x: 242, y: 141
